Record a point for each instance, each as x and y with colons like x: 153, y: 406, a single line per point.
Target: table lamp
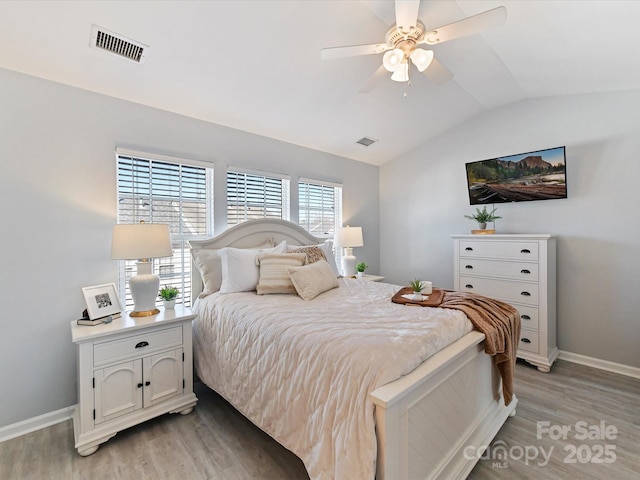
x: 142, y: 242
x: 348, y: 237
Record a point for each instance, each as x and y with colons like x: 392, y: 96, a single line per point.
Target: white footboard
x: 435, y: 421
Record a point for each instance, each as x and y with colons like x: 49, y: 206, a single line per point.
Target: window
x: 253, y: 195
x: 320, y: 207
x: 177, y: 192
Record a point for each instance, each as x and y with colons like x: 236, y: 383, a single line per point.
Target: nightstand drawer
x: 137, y: 345
x: 528, y: 341
x: 500, y: 250
x: 492, y: 268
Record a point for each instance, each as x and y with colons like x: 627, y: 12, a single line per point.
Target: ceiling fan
x: 403, y: 41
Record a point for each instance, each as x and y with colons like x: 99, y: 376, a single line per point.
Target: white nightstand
x: 129, y: 371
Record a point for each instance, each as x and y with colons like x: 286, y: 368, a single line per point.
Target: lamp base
x: 144, y: 291
x: 348, y: 263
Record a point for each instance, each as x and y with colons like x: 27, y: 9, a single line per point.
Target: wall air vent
x: 366, y: 141
x: 114, y: 43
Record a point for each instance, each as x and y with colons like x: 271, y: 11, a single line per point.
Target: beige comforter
x: 303, y: 371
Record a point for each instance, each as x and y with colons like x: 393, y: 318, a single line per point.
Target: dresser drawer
x: 501, y: 250
x: 528, y: 317
x: 518, y: 292
x: 137, y: 345
x: 494, y: 268
x: 528, y: 341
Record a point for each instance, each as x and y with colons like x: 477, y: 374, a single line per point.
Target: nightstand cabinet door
x: 118, y: 390
x: 520, y: 270
x: 162, y: 377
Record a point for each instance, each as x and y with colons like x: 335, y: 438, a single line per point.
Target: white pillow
x: 313, y: 279
x: 240, y: 272
x: 274, y: 277
x: 327, y: 248
x: 209, y: 265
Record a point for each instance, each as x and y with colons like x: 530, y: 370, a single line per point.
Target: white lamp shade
x: 140, y: 240
x: 392, y: 59
x: 421, y: 58
x: 348, y: 237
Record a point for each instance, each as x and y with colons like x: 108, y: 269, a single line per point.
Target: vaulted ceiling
x: 255, y: 65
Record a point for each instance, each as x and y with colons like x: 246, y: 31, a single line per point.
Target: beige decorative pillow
x: 312, y: 280
x: 274, y: 276
x: 314, y: 254
x: 210, y: 267
x: 326, y: 247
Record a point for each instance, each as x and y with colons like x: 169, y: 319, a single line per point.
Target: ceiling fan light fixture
x: 401, y: 73
x: 422, y: 58
x: 392, y: 59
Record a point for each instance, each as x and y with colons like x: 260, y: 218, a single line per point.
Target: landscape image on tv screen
x: 539, y: 175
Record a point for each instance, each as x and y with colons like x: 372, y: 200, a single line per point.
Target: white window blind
x: 165, y: 190
x: 320, y: 207
x: 252, y: 195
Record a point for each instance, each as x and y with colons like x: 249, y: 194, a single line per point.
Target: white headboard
x: 251, y: 233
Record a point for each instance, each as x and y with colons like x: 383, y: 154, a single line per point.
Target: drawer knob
x: 525, y: 317
x: 469, y: 267
x: 525, y: 271
x: 525, y: 294
x: 525, y: 340
x: 139, y: 385
x: 468, y: 285
x: 147, y: 383
x: 468, y: 249
x: 142, y: 344
x: 525, y: 250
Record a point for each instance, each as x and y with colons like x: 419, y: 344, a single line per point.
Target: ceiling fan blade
x: 469, y: 26
x: 407, y: 14
x: 373, y: 80
x: 353, y: 50
x: 438, y: 73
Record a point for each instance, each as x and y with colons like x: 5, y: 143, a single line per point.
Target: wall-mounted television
x: 524, y: 177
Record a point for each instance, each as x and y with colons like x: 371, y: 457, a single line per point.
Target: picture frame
x: 101, y: 300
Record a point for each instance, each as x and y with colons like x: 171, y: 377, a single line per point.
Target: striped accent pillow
x: 274, y: 277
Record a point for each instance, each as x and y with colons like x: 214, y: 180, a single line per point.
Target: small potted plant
x: 483, y: 217
x: 168, y: 295
x: 360, y: 268
x: 417, y: 286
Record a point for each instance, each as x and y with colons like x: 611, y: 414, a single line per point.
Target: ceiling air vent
x: 366, y: 141
x: 114, y: 43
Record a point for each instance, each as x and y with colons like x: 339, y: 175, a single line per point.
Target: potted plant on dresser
x: 483, y: 217
x: 168, y: 295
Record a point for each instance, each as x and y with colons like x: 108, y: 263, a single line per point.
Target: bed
x: 404, y: 406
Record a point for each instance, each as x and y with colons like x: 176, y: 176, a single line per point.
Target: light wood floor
x: 216, y: 442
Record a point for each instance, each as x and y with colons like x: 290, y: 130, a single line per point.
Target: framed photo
x: 101, y: 300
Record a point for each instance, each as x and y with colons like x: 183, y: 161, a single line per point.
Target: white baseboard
x: 627, y: 370
x: 36, y: 423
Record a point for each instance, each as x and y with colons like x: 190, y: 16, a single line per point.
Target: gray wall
x: 423, y: 199
x: 58, y: 192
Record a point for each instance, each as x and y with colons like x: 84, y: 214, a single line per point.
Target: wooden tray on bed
x: 434, y: 299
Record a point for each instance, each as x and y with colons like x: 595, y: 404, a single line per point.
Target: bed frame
x: 433, y: 423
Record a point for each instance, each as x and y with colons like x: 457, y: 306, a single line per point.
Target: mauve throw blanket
x: 501, y: 329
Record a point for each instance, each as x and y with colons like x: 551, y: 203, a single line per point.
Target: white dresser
x: 521, y: 270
